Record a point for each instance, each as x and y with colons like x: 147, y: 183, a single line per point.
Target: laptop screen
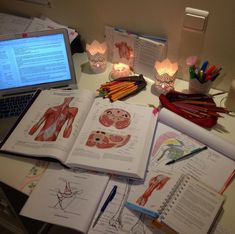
x: 34, y: 61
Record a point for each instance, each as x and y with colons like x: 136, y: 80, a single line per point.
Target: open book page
x: 116, y: 137
x: 185, y: 126
x: 150, y: 196
x: 119, y: 219
x: 209, y: 166
x: 121, y: 46
x: 147, y: 53
x: 51, y: 125
x: 65, y: 197
x: 193, y: 209
x: 139, y: 52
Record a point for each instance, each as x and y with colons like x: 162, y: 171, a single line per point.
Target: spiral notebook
x: 181, y: 202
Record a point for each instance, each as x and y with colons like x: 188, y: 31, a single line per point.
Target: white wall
x: 162, y: 18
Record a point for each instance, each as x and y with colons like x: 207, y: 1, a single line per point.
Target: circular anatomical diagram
x: 105, y: 140
x: 116, y: 117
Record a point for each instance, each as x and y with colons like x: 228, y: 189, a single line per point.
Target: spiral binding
x: 173, y: 196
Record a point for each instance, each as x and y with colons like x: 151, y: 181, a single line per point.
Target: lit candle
x: 120, y: 70
x: 97, y: 55
x: 165, y: 75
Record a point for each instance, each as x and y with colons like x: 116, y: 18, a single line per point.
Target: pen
x: 195, y: 151
x: 204, y: 65
x: 107, y: 201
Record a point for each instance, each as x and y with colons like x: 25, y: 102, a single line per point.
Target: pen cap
x: 230, y: 101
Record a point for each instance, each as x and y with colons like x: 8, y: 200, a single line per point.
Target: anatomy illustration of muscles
x: 124, y: 50
x: 54, y: 119
x: 155, y: 183
x: 116, y: 117
x: 105, y: 140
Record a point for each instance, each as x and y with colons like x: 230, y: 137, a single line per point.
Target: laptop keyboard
x: 13, y: 106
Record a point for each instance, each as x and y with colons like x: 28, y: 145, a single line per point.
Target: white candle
x: 230, y: 101
x: 120, y: 70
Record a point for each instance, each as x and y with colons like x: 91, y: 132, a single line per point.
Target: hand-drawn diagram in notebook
x: 119, y: 219
x: 54, y: 119
x: 66, y: 197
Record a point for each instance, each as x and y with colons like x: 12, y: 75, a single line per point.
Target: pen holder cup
x: 200, y: 88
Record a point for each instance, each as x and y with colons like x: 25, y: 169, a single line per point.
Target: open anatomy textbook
x: 82, y: 131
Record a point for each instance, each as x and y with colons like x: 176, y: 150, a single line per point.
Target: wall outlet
x: 195, y: 19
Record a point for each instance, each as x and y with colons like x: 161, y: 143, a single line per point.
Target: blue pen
x: 107, y: 201
x: 204, y: 65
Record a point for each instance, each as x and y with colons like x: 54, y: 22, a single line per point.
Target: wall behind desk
x: 160, y: 18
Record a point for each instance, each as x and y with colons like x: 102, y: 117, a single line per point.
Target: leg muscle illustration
x: 155, y: 183
x: 124, y: 50
x: 54, y: 119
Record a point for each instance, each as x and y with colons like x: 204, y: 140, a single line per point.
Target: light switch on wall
x: 195, y: 19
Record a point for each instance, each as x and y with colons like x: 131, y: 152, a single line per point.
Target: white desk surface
x: 14, y: 169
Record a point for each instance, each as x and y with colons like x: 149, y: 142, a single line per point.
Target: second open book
x: 82, y: 131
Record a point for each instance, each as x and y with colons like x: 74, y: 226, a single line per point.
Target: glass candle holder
x: 120, y: 70
x: 165, y: 75
x: 97, y: 56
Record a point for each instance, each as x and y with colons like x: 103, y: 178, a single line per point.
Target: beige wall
x: 162, y: 18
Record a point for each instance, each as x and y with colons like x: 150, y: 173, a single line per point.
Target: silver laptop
x: 31, y: 61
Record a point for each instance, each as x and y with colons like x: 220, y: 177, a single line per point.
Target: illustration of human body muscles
x: 149, y: 197
x: 54, y: 119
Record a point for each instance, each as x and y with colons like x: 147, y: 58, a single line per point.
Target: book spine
x: 173, y: 196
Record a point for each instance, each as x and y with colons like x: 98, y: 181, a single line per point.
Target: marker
x: 204, y: 65
x: 191, y: 72
x: 195, y: 151
x: 107, y: 201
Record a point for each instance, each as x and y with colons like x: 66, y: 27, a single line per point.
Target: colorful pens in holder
x: 204, y: 72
